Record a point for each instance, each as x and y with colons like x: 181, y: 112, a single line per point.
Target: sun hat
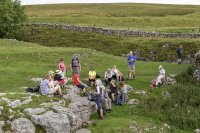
x: 160, y: 67
x: 50, y: 72
x: 58, y: 71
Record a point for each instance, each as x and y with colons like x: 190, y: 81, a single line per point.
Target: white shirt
x: 162, y: 72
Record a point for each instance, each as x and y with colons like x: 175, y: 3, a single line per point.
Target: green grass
x: 115, y: 45
x: 148, y: 17
x: 19, y: 61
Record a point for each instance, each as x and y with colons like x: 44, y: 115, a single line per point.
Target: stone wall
x: 115, y: 32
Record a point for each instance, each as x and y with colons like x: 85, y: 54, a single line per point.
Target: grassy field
x: 115, y: 45
x: 147, y: 17
x: 19, y: 61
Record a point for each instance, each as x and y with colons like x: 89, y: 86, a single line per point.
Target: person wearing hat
x: 59, y: 78
x: 75, y: 65
x: 108, y: 75
x: 131, y: 64
x: 51, y: 73
x: 161, y: 75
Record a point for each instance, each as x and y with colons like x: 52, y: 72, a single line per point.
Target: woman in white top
x: 161, y: 75
x: 117, y: 73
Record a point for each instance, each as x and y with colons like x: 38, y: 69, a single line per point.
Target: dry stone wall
x: 116, y: 32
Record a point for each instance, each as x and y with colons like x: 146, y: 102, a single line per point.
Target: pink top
x: 62, y: 66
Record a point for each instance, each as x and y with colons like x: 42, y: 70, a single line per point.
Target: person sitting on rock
x: 92, y: 76
x: 160, y: 76
x: 106, y: 100
x: 48, y: 88
x: 113, y: 90
x: 122, y: 94
x: 77, y: 82
x: 59, y: 78
x: 108, y: 76
x: 117, y: 73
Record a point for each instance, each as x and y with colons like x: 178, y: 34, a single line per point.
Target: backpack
x: 33, y: 89
x: 75, y: 62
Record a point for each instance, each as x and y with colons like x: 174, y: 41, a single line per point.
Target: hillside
x: 115, y: 45
x: 20, y: 61
x: 146, y: 17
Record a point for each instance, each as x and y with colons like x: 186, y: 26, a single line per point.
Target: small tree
x: 12, y: 17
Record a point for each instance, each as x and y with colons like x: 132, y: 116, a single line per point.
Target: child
x: 123, y: 93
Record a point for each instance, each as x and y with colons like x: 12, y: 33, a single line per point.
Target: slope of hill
x: 20, y: 61
x: 147, y: 17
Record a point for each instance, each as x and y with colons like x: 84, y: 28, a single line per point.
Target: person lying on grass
x: 77, y: 82
x: 48, y: 87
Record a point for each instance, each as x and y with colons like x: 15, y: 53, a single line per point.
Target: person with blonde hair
x: 117, y: 73
x: 48, y: 88
x: 161, y: 75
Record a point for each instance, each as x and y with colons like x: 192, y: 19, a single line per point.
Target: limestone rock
x: 2, y: 123
x: 197, y: 130
x: 5, y: 99
x: 11, y: 111
x: 2, y: 94
x: 27, y: 101
x: 141, y: 92
x: 22, y: 125
x: 83, y: 131
x: 35, y: 79
x: 1, y: 109
x: 50, y: 104
x: 75, y: 122
x: 133, y: 102
x: 15, y: 103
x: 35, y: 111
x: 52, y: 122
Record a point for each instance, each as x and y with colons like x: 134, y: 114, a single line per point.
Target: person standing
x: 75, y: 65
x: 131, y: 64
x: 62, y: 67
x: 179, y: 52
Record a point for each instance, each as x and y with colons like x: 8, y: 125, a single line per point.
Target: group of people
x: 112, y: 89
x: 54, y: 81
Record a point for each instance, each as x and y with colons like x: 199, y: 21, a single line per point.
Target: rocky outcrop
x: 116, y: 32
x: 83, y: 131
x: 75, y: 121
x: 35, y: 111
x: 2, y: 123
x: 53, y: 122
x: 15, y: 104
x: 22, y: 125
x: 133, y: 102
